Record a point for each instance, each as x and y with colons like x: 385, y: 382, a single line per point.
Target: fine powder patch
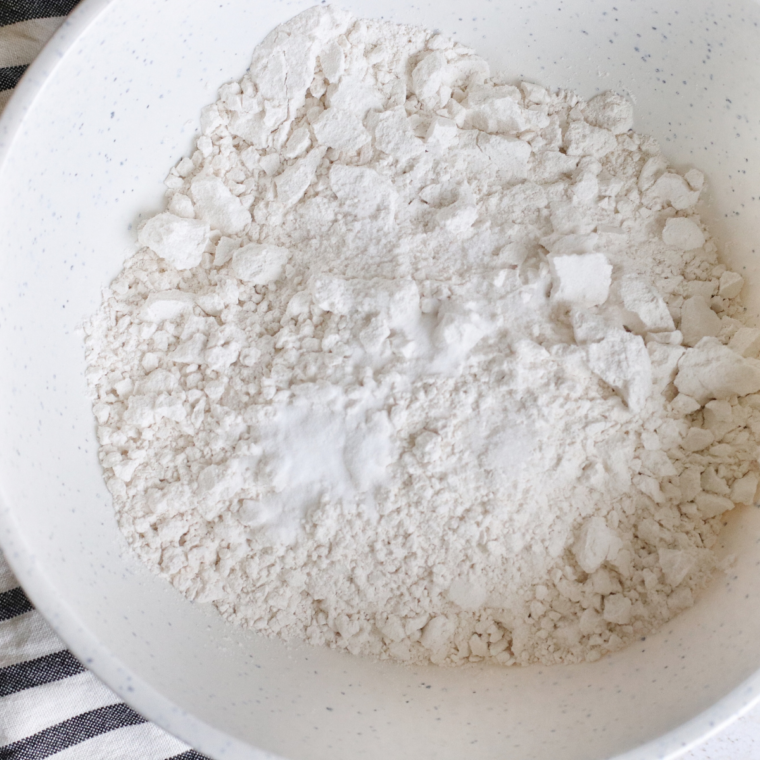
x: 423, y: 364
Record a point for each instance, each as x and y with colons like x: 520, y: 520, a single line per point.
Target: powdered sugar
x: 398, y: 369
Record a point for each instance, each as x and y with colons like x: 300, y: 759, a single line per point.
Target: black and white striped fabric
x: 51, y: 706
x: 25, y: 26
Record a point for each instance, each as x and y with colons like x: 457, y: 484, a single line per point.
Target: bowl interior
x: 86, y: 142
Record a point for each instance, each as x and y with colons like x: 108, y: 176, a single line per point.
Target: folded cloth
x: 25, y: 26
x: 51, y: 706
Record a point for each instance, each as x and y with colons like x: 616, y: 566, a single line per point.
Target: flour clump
x: 423, y: 363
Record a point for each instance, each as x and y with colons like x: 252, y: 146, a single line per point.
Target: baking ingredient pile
x: 425, y: 365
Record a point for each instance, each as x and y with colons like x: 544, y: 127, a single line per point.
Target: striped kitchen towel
x: 25, y: 26
x: 51, y: 706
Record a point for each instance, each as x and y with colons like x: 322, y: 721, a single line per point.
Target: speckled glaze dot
x: 84, y: 145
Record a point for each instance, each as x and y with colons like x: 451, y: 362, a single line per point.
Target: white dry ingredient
x: 423, y: 364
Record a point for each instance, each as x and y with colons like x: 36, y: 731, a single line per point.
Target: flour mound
x: 423, y: 364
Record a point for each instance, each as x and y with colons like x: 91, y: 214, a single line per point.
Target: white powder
x: 398, y: 370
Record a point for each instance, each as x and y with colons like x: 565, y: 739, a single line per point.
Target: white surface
x: 740, y: 741
x: 70, y: 186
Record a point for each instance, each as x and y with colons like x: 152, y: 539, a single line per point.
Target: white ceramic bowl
x: 84, y: 145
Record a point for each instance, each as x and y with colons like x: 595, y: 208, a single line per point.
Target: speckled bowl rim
x: 94, y: 653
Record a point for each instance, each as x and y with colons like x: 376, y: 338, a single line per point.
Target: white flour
x: 398, y: 370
